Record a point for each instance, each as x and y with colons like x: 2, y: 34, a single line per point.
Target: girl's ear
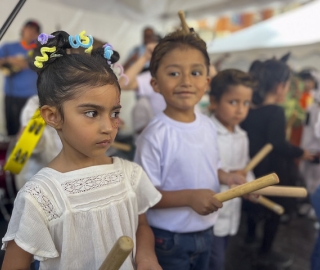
x: 155, y: 85
x: 213, y: 104
x: 51, y: 116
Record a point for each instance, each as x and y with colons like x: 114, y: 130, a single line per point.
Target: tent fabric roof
x: 294, y: 28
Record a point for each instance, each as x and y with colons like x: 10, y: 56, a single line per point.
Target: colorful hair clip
x: 81, y: 40
x: 55, y: 55
x: 121, y: 74
x: 43, y: 38
x: 108, y: 51
x: 44, y: 58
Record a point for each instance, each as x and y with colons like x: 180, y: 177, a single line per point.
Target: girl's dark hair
x: 62, y: 76
x: 221, y: 83
x: 177, y: 39
x: 268, y: 75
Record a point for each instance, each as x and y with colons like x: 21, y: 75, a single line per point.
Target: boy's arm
x: 200, y: 200
x: 145, y: 257
x: 16, y: 258
x: 133, y: 71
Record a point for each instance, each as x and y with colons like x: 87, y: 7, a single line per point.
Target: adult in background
x: 149, y: 36
x: 20, y: 81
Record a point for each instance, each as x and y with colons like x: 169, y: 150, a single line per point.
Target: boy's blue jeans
x: 183, y: 251
x: 315, y: 258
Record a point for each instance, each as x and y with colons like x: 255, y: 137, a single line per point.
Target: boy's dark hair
x: 64, y: 74
x: 221, y: 83
x: 33, y: 24
x: 177, y: 39
x: 268, y: 75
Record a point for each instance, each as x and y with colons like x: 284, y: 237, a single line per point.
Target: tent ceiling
x: 294, y: 28
x: 139, y: 10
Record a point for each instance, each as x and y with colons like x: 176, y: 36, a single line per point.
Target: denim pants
x: 217, y: 257
x: 315, y: 258
x: 183, y: 251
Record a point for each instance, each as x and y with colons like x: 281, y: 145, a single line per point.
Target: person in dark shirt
x: 264, y: 124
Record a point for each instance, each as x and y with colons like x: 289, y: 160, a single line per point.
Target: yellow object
x: 85, y: 40
x: 44, y: 57
x: 26, y: 144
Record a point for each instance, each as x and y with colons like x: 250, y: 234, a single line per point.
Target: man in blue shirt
x: 20, y: 81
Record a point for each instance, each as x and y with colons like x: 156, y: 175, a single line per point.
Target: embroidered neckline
x: 93, y: 182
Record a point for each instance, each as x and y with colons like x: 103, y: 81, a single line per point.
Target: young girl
x: 178, y: 150
x: 71, y: 213
x: 266, y: 124
x: 230, y: 98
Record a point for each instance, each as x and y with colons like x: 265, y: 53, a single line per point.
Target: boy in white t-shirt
x: 178, y: 151
x: 230, y: 98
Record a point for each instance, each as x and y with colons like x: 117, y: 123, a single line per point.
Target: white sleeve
x: 144, y: 86
x: 147, y: 194
x: 28, y: 225
x: 149, y: 157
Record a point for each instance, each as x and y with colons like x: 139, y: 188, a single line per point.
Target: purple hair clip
x: 43, y: 38
x: 108, y: 51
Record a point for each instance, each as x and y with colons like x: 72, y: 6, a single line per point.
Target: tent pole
x: 11, y: 17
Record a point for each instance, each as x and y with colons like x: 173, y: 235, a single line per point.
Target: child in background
x: 178, y: 150
x: 264, y: 124
x: 71, y: 213
x: 230, y: 98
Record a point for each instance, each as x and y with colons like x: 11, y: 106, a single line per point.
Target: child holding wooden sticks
x: 70, y: 214
x: 178, y: 150
x: 230, y: 99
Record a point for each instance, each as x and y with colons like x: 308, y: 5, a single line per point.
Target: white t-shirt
x: 71, y: 220
x: 179, y: 156
x: 234, y: 154
x: 309, y: 139
x: 145, y: 89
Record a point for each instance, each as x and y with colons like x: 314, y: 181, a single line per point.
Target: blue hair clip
x: 108, y: 51
x: 81, y: 40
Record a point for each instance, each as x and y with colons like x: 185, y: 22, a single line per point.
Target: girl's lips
x: 104, y: 143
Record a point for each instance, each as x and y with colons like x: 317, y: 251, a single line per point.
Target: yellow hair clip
x: 44, y: 58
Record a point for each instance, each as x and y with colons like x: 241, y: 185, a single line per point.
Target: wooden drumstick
x: 282, y: 191
x: 118, y: 254
x: 258, y: 157
x: 249, y: 187
x: 122, y: 146
x: 184, y: 25
x: 277, y: 208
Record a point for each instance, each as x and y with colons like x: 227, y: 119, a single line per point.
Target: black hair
x: 33, y: 24
x: 268, y: 75
x: 63, y: 75
x: 227, y: 78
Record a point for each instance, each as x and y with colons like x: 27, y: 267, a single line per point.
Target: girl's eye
x: 91, y: 114
x: 196, y: 73
x: 115, y: 114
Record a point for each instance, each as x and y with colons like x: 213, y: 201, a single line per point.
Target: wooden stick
x: 249, y: 187
x: 118, y: 254
x: 184, y: 25
x: 277, y: 208
x: 282, y: 191
x: 122, y: 146
x: 258, y: 157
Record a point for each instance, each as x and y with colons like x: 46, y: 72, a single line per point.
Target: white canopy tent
x: 295, y: 31
x: 119, y: 22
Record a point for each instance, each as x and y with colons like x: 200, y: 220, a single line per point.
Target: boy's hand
x: 240, y: 172
x: 148, y: 265
x: 203, y: 202
x: 235, y: 179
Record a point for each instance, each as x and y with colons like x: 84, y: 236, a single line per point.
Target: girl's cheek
x: 115, y: 124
